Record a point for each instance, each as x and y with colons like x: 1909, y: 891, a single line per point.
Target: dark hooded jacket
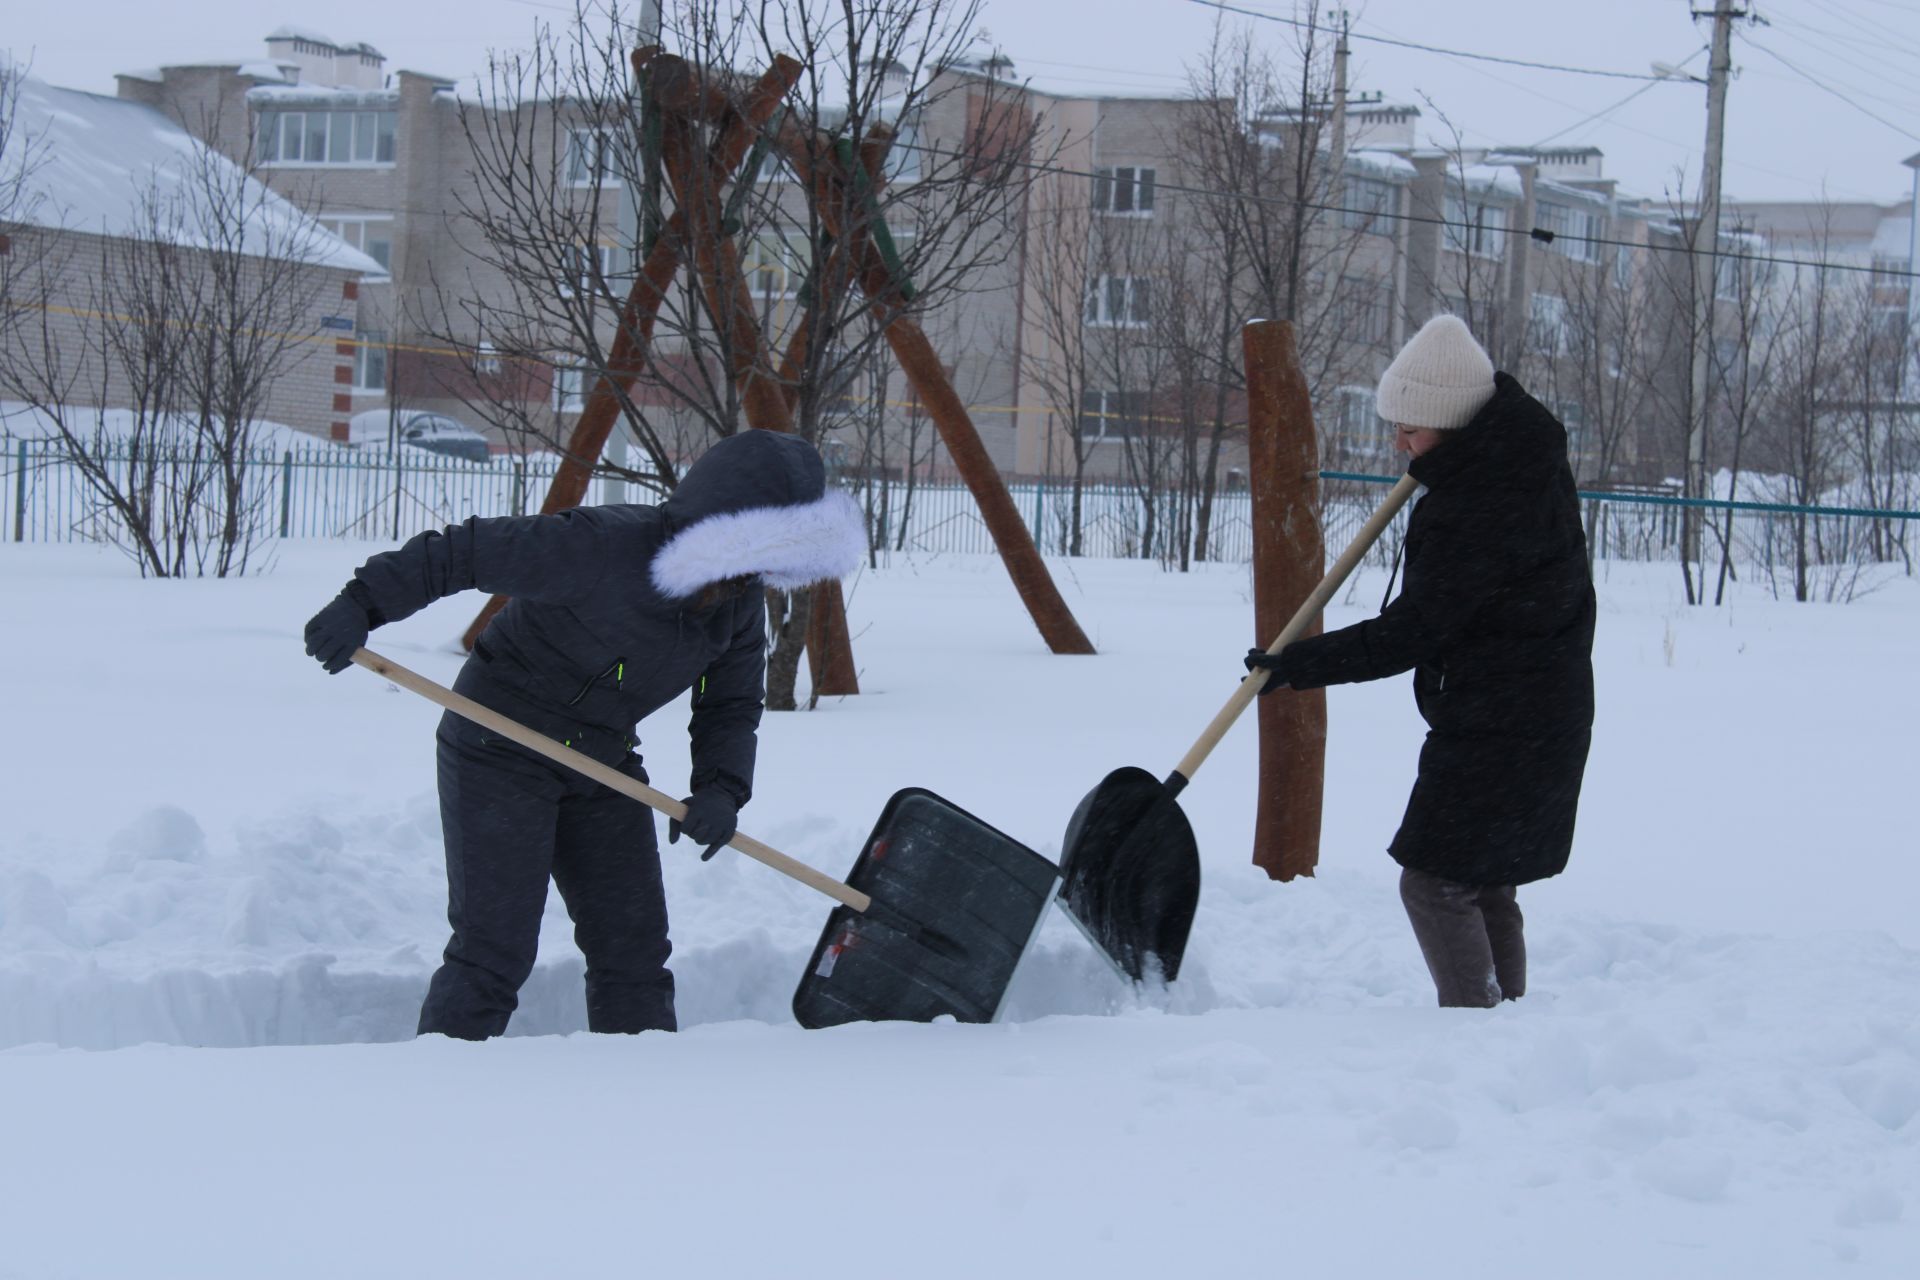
x: 1495, y: 618
x: 595, y: 636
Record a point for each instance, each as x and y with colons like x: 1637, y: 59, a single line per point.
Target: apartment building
x: 1534, y: 246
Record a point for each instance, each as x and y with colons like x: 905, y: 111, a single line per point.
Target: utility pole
x: 1340, y: 95
x: 1705, y: 259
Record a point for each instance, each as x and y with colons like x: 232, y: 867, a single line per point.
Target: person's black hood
x: 1514, y: 442
x: 757, y: 503
x: 747, y: 469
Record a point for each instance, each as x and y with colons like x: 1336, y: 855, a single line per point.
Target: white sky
x: 1786, y: 138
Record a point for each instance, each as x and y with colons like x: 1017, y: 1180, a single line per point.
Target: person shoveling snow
x: 615, y: 611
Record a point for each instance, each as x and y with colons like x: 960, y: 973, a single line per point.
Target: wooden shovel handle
x: 1302, y: 618
x: 488, y: 718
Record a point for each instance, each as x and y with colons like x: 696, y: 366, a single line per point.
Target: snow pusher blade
x: 1130, y: 863
x: 939, y: 868
x: 1130, y: 871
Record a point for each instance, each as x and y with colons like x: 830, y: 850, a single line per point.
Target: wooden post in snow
x: 1283, y: 465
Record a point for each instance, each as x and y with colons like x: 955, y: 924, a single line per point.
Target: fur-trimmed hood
x: 758, y: 503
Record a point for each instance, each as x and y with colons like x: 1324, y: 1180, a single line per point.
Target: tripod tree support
x: 668, y: 79
x: 842, y: 187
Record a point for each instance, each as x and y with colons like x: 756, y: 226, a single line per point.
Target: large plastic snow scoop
x: 934, y: 861
x: 961, y: 901
x: 1130, y: 866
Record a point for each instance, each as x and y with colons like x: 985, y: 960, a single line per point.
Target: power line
x: 1534, y: 233
x: 1427, y: 48
x: 1604, y: 112
x: 1888, y: 61
x: 1827, y: 88
x: 1058, y: 170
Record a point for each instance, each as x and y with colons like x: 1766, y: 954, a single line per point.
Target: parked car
x: 435, y: 432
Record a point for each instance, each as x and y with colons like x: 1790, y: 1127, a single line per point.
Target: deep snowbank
x: 208, y: 842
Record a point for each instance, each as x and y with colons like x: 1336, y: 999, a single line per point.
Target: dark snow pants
x: 1471, y: 937
x: 512, y: 820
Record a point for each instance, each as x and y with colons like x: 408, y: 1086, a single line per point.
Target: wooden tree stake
x: 1283, y: 462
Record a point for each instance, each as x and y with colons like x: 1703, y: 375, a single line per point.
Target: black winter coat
x: 1495, y: 618
x: 589, y: 643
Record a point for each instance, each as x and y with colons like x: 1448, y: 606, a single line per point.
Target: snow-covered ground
x: 208, y: 843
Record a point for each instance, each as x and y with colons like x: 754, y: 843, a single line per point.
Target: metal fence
x: 323, y: 491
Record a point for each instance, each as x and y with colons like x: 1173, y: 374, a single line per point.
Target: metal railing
x: 325, y: 491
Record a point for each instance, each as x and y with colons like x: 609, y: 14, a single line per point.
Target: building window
x: 1124, y: 189
x: 1575, y: 230
x: 372, y: 236
x: 1547, y: 326
x: 1357, y: 421
x: 903, y: 157
x: 1110, y: 415
x: 334, y: 138
x: 590, y: 269
x: 1363, y: 310
x: 590, y: 158
x: 569, y: 388
x: 773, y: 268
x: 1118, y: 302
x: 1729, y: 274
x: 370, y: 361
x: 1476, y: 228
x: 1623, y: 268
x: 1368, y: 204
x: 1888, y: 280
x: 486, y: 360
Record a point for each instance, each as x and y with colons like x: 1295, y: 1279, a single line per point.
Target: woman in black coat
x: 1495, y: 619
x: 615, y: 611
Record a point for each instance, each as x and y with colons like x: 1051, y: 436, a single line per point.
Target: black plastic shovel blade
x: 955, y: 904
x: 1130, y: 873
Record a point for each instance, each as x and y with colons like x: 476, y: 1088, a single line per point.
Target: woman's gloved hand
x: 712, y: 817
x: 1275, y: 663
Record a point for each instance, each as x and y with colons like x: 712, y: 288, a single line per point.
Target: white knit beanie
x: 1440, y: 379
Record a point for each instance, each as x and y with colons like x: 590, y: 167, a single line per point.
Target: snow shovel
x: 962, y: 900
x: 1130, y: 866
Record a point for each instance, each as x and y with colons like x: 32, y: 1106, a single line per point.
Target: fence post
x: 20, y: 496
x: 286, y: 491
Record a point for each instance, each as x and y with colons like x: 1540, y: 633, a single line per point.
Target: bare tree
x: 1474, y: 251
x: 1268, y: 219
x: 1875, y: 380
x: 145, y: 470
x: 769, y: 316
x: 1742, y: 383
x: 22, y: 154
x: 1061, y: 281
x: 1801, y: 447
x: 186, y: 317
x: 249, y: 303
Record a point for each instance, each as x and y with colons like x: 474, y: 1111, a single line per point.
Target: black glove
x: 340, y: 628
x: 1276, y: 663
x: 712, y: 817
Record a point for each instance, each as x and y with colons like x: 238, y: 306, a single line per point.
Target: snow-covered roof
x: 291, y: 32
x: 94, y: 156
x: 323, y: 95
x: 1893, y: 238
x: 1386, y: 164
x: 1560, y: 192
x: 1499, y: 178
x: 251, y: 64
